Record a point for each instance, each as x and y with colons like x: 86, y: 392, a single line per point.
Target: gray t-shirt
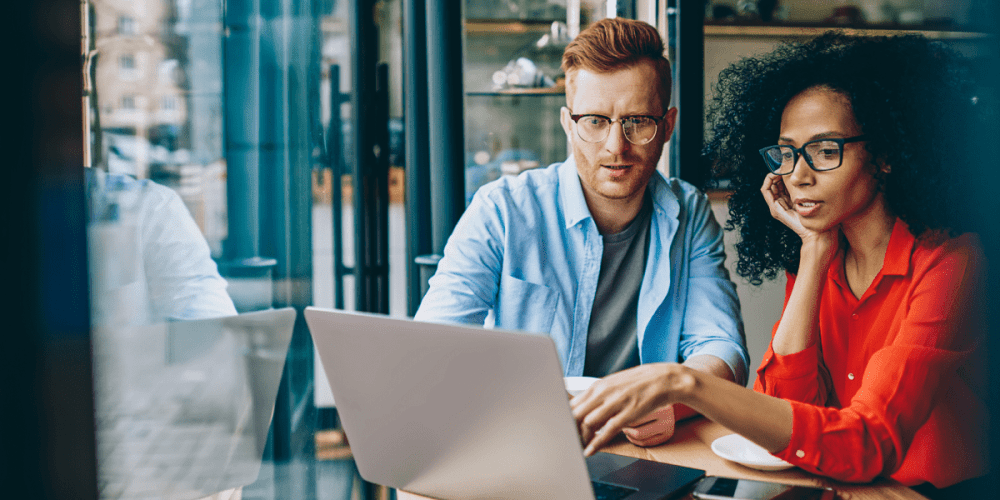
x: 612, y: 343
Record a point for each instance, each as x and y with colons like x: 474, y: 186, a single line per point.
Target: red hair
x: 613, y: 44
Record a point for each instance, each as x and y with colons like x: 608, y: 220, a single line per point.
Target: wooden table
x: 691, y: 447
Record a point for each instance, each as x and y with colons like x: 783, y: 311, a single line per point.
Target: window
x: 168, y: 103
x: 126, y: 62
x: 128, y: 68
x: 128, y: 102
x: 126, y: 25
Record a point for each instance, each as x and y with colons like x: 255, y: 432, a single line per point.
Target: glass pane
x: 206, y: 170
x: 510, y: 133
x: 514, y: 85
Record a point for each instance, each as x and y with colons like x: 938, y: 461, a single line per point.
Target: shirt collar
x: 897, y: 256
x: 575, y: 205
x: 571, y: 192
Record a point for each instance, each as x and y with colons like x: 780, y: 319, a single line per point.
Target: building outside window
x: 126, y: 25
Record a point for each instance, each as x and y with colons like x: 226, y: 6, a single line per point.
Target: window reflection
x: 183, y: 408
x: 149, y: 261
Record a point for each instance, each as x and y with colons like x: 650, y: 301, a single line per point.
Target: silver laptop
x: 457, y: 413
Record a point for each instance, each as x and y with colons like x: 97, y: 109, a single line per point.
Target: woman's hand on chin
x: 820, y: 244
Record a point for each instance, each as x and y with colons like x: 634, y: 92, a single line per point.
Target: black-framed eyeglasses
x: 820, y: 154
x: 638, y: 129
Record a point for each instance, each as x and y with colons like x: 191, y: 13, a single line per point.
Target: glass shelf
x: 557, y: 90
x: 507, y: 133
x: 503, y: 26
x: 758, y: 30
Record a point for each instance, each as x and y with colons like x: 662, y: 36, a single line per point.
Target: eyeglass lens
x: 638, y: 129
x: 822, y: 155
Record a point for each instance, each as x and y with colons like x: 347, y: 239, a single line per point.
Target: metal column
x: 248, y: 273
x: 370, y: 124
x: 446, y: 120
x: 686, y: 22
x: 417, y: 163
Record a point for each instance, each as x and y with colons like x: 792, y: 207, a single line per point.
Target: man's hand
x: 656, y: 428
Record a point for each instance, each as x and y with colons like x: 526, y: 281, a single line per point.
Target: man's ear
x: 668, y: 123
x: 565, y: 120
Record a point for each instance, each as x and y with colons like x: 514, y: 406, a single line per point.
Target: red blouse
x: 896, y: 384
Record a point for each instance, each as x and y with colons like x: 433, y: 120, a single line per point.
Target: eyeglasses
x: 821, y: 155
x: 639, y: 129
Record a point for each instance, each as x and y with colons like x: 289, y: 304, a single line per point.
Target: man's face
x: 615, y: 170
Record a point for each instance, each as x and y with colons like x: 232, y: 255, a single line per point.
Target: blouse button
x: 850, y: 376
x: 854, y: 316
x: 800, y: 454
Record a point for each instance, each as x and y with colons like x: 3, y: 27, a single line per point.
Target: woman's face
x: 844, y: 195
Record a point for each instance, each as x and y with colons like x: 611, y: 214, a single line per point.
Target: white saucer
x: 743, y: 451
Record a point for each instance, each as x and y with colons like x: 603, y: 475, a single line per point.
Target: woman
x: 876, y: 365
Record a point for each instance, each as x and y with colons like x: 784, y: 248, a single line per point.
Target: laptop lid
x: 183, y: 408
x: 456, y: 412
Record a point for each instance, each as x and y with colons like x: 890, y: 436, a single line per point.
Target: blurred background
x: 238, y: 156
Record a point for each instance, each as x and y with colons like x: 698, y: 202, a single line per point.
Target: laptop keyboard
x: 605, y: 491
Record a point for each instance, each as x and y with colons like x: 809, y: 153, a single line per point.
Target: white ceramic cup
x: 576, y: 385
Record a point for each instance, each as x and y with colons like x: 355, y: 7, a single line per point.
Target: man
x: 617, y: 264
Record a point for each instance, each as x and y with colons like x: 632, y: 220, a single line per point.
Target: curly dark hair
x: 913, y: 99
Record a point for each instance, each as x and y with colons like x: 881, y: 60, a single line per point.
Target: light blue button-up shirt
x: 528, y: 249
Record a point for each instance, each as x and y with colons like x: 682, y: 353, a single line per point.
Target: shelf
x: 808, y: 31
x: 509, y: 27
x: 520, y: 92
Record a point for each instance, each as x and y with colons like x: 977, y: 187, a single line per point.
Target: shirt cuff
x: 802, y: 450
x: 728, y: 354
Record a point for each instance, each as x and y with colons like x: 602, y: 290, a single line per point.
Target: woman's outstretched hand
x: 623, y: 399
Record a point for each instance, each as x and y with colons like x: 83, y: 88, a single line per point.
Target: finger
x: 767, y: 186
x: 592, y: 424
x: 646, y: 430
x: 772, y: 194
x: 777, y: 184
x: 639, y: 434
x: 584, y: 402
x: 604, y: 435
x: 644, y: 421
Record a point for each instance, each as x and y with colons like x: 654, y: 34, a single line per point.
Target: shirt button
x: 800, y: 454
x: 850, y: 376
x: 854, y: 316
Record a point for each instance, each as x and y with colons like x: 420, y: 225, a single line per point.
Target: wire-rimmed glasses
x: 820, y: 154
x: 638, y: 129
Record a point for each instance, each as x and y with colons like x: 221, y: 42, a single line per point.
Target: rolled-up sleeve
x: 464, y: 287
x: 713, y: 324
x: 798, y: 376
